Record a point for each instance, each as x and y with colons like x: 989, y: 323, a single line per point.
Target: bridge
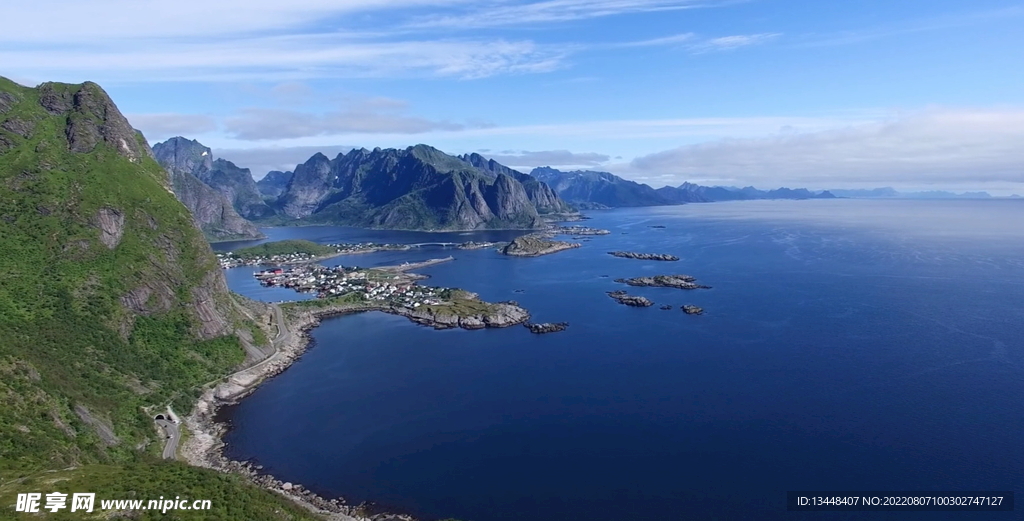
x: 441, y: 244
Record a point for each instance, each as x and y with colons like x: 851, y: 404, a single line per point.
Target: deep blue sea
x: 846, y: 345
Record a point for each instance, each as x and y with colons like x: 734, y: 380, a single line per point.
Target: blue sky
x: 912, y: 94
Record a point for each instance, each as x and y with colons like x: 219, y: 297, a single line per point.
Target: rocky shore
x: 546, y: 327
x: 665, y: 281
x: 644, y: 256
x: 630, y: 300
x: 204, y: 447
x: 534, y: 245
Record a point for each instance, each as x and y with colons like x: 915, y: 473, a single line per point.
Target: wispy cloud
x: 159, y: 126
x: 657, y: 42
x: 369, y: 116
x: 530, y: 159
x: 284, y: 58
x: 493, y: 14
x: 933, y: 146
x: 728, y: 43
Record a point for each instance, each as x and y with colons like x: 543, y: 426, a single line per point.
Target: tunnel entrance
x: 159, y: 416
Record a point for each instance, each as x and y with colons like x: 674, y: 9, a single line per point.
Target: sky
x: 913, y: 94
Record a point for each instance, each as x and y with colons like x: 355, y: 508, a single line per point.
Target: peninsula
x: 297, y: 251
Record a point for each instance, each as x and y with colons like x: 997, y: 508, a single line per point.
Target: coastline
x: 205, y: 446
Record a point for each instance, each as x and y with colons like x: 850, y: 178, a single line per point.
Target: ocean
x: 845, y: 345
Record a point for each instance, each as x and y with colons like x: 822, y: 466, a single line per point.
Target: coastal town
x: 298, y: 252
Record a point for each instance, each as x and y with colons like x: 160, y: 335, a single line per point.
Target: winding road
x: 172, y: 429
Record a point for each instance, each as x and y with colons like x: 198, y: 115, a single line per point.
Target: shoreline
x: 205, y: 445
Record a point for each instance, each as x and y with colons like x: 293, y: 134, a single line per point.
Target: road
x: 172, y: 429
x: 173, y: 433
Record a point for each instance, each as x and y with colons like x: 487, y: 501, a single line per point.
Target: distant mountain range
x: 877, y: 193
x: 590, y: 189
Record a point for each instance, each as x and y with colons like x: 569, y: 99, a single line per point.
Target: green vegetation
x: 269, y: 249
x: 231, y: 497
x: 104, y: 275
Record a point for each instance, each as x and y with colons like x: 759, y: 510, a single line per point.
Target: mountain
x: 418, y: 188
x: 274, y: 184
x: 602, y: 189
x: 112, y: 305
x: 720, y: 193
x: 238, y: 186
x: 214, y: 212
x: 875, y: 193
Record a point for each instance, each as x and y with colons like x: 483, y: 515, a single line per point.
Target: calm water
x: 847, y: 345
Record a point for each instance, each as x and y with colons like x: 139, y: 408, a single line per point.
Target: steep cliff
x: 184, y: 159
x: 416, y: 188
x: 274, y: 184
x: 112, y: 301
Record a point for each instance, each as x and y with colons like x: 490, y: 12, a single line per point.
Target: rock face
x: 665, y: 281
x: 238, y: 186
x: 418, y: 188
x: 184, y: 159
x: 502, y: 314
x: 630, y: 300
x: 111, y: 225
x: 91, y: 119
x: 534, y: 245
x: 644, y: 256
x: 547, y: 327
x: 274, y: 184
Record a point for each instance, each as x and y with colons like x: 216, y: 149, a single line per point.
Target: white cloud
x: 728, y: 43
x: 936, y: 146
x: 530, y: 159
x: 282, y: 58
x: 263, y: 160
x: 371, y: 116
x: 494, y: 14
x: 159, y: 126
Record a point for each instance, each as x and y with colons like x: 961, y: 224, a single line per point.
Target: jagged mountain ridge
x: 274, y: 184
x: 603, y: 189
x: 188, y: 162
x: 419, y: 187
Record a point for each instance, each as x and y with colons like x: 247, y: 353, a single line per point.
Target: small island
x: 580, y: 230
x: 666, y: 306
x: 665, y: 281
x: 643, y: 256
x: 630, y: 300
x: 534, y: 245
x: 692, y: 310
x: 546, y: 327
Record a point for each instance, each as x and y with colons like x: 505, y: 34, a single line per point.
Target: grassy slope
x: 268, y: 249
x: 67, y: 340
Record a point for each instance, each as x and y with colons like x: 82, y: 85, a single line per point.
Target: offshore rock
x: 692, y: 310
x: 644, y: 256
x: 547, y: 327
x: 630, y: 300
x: 664, y: 281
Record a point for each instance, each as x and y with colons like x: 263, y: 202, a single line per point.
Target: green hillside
x: 111, y: 302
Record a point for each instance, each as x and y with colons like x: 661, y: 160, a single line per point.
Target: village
x: 373, y: 285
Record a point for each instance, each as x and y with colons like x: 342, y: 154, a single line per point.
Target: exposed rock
x: 62, y: 425
x: 5, y: 143
x: 184, y: 160
x: 534, y: 245
x: 665, y: 281
x: 692, y: 310
x: 152, y: 297
x: 19, y: 126
x: 547, y: 327
x: 581, y: 230
x: 644, y: 256
x: 274, y: 184
x: 630, y: 300
x: 666, y: 307
x: 7, y: 100
x: 111, y: 224
x: 211, y: 322
x: 238, y: 186
x: 102, y: 427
